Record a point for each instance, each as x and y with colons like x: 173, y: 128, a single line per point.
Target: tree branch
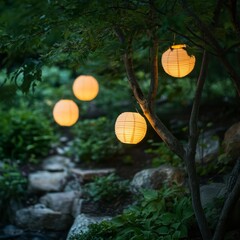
x: 146, y: 107
x: 162, y: 131
x: 233, y: 196
x: 154, y: 58
x: 154, y: 78
x: 215, y: 45
x: 191, y: 152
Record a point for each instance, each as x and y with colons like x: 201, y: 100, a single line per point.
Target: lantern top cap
x: 178, y: 46
x: 66, y: 100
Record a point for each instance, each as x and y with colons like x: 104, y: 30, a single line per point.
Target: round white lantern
x: 130, y: 127
x: 85, y: 88
x: 176, y: 62
x: 65, y: 112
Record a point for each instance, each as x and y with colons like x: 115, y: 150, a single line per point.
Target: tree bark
x: 155, y: 122
x: 191, y: 152
x: 229, y: 204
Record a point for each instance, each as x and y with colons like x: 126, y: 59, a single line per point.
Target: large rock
x: 212, y: 191
x: 82, y: 223
x: 154, y: 178
x: 60, y: 202
x: 57, y: 163
x: 39, y: 217
x: 87, y: 175
x: 231, y: 142
x: 43, y: 181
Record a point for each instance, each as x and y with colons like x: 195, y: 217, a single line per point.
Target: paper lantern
x: 176, y: 62
x: 130, y: 127
x: 65, y: 112
x: 85, y: 88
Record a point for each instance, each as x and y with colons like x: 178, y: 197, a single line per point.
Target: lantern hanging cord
x: 174, y: 38
x: 134, y: 103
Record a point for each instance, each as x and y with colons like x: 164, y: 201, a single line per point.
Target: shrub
x: 163, y: 215
x: 106, y: 188
x: 25, y: 135
x: 94, y: 140
x: 160, y: 154
x: 13, y: 186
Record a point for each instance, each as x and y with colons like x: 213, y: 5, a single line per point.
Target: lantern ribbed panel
x: 65, y: 112
x: 85, y: 88
x: 176, y: 62
x: 130, y: 127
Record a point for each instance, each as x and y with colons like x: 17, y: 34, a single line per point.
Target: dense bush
x: 13, y: 189
x: 106, y: 188
x: 160, y: 154
x: 94, y: 140
x: 25, y: 135
x: 164, y: 215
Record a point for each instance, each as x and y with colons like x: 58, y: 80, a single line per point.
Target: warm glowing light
x: 176, y: 62
x: 130, y: 127
x: 65, y: 112
x: 85, y: 88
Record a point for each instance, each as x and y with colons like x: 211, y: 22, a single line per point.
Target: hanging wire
x: 174, y: 38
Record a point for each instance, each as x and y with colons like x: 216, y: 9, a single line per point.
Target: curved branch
x: 154, y: 78
x: 215, y: 44
x: 191, y: 152
x: 154, y: 58
x: 232, y: 198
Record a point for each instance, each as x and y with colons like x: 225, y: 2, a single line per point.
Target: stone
x: 73, y: 185
x: 207, y: 147
x: 57, y: 163
x: 231, y: 142
x: 61, y: 201
x: 210, y: 192
x: 87, y: 175
x: 62, y: 150
x: 11, y: 231
x: 43, y: 181
x: 154, y: 178
x: 77, y: 207
x: 82, y: 223
x: 39, y: 217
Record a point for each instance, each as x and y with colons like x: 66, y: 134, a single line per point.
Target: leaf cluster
x: 13, y: 185
x: 106, y: 188
x: 164, y: 214
x: 26, y: 135
x: 160, y: 154
x: 94, y: 139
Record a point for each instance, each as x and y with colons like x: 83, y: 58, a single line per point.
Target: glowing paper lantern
x: 85, y: 88
x: 176, y: 62
x: 65, y: 112
x: 130, y: 127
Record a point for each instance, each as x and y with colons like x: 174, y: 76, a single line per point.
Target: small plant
x: 13, y: 188
x: 25, y: 135
x: 160, y: 154
x: 94, y: 140
x: 165, y: 215
x: 220, y: 165
x: 106, y: 188
x: 213, y: 210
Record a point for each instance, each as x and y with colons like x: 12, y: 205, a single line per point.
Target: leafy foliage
x: 94, y: 140
x: 106, y: 188
x: 164, y: 214
x: 160, y: 155
x: 13, y: 186
x: 25, y: 135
